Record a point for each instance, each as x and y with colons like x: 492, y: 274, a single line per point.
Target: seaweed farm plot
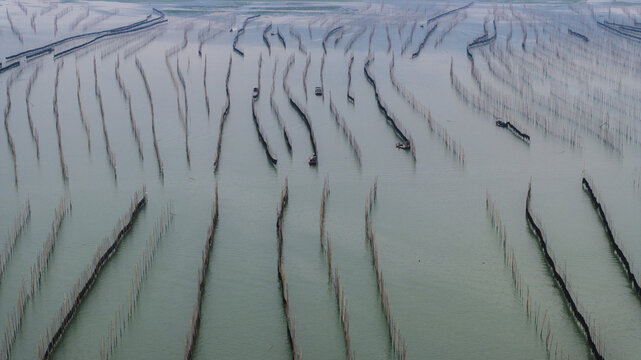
x: 165, y: 178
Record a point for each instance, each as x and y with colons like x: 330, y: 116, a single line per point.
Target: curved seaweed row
x: 261, y: 135
x: 206, y: 35
x: 141, y: 70
x: 409, y: 39
x: 308, y: 61
x: 266, y: 39
x: 533, y: 309
x: 298, y: 37
x: 134, y: 127
x: 422, y: 44
x: 186, y: 113
x: 590, y: 189
x: 391, y: 119
x: 334, y: 277
x: 452, y: 145
x: 596, y: 347
x: 354, y: 37
x: 12, y: 145
x: 322, y: 77
x: 89, y: 276
x: 327, y: 34
x: 239, y: 33
x: 223, y: 116
x: 49, y: 48
x: 280, y: 37
x: 190, y: 341
x: 13, y: 235
x: 63, y: 164
x: 482, y: 40
x: 448, y: 30
x: 369, y: 41
x: 123, y: 315
x: 110, y: 154
x: 340, y: 121
x: 276, y: 111
x: 26, y: 292
x: 207, y: 105
x: 389, y: 38
x: 32, y: 126
x: 282, y: 278
x: 399, y: 344
x: 300, y: 110
x: 14, y: 29
x: 350, y: 97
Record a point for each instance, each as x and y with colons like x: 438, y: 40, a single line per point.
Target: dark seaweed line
x: 89, y: 276
x: 261, y: 136
x: 588, y: 186
x: 536, y: 229
x: 63, y: 164
x: 422, y: 44
x: 399, y: 344
x: 340, y: 121
x: 282, y: 278
x: 276, y: 111
x: 280, y: 37
x: 327, y: 35
x: 266, y: 40
x: 202, y: 274
x: 300, y: 110
x: 124, y: 314
x: 14, y: 234
x: 110, y: 154
x: 239, y: 33
x: 141, y: 70
x: 334, y: 277
x: 223, y: 117
x: 32, y: 127
x: 26, y: 292
x: 12, y: 145
x: 400, y: 133
x: 122, y: 29
x: 350, y: 97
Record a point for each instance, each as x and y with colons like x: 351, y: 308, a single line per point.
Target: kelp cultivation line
x: 110, y: 154
x: 206, y: 35
x: 83, y: 116
x: 276, y: 111
x: 186, y: 113
x: 63, y: 164
x: 282, y: 278
x: 340, y: 121
x: 596, y: 346
x: 334, y: 277
x: 298, y: 37
x: 280, y: 37
x: 26, y: 292
x: 49, y: 48
x: 533, y: 309
x: 422, y: 44
x: 322, y: 76
x: 89, y: 276
x: 207, y: 105
x: 13, y: 235
x: 441, y: 131
x: 350, y: 97
x: 266, y: 39
x: 141, y: 70
x: 32, y: 126
x: 301, y: 111
x: 353, y: 39
x: 399, y: 344
x: 134, y: 127
x: 389, y: 117
x: 259, y: 129
x: 223, y: 116
x: 239, y: 33
x: 409, y: 39
x: 190, y: 341
x: 590, y: 189
x: 174, y: 81
x: 125, y: 312
x: 12, y: 145
x: 308, y: 61
x: 14, y: 29
x: 327, y: 35
x: 482, y: 40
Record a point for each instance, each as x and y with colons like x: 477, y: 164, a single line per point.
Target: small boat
x: 255, y: 93
x: 403, y: 145
x: 318, y: 91
x: 313, y: 160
